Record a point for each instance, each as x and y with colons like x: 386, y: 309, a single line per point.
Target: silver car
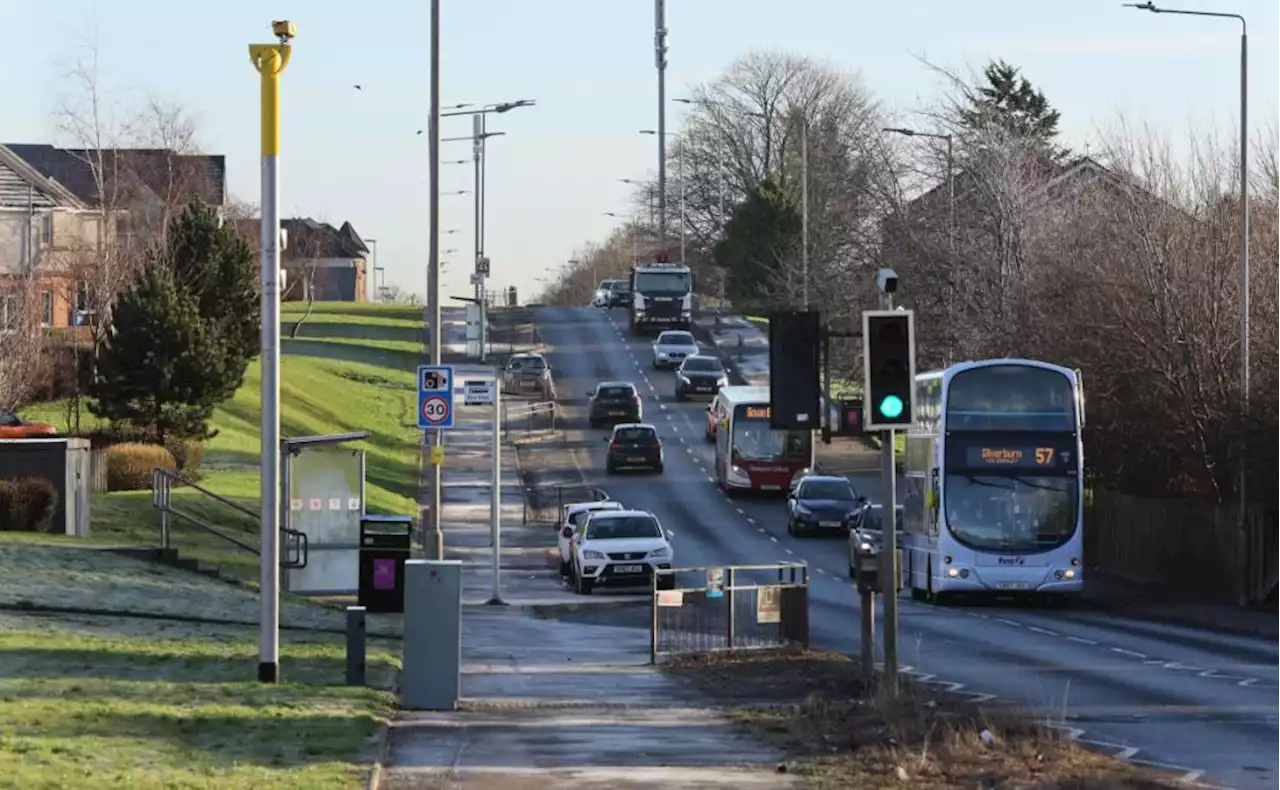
x: 671, y: 348
x: 527, y: 373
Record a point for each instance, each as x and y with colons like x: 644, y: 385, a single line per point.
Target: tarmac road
x: 1202, y: 703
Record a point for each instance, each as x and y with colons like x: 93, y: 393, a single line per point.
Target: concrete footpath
x: 552, y: 705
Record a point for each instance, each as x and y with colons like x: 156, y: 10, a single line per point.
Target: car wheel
x: 853, y: 573
x: 679, y: 396
x: 791, y: 527
x: 583, y: 586
x: 610, y: 469
x: 658, y: 469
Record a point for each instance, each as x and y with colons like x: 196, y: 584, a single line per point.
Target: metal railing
x: 732, y: 607
x: 522, y: 419
x: 543, y: 504
x: 293, y: 542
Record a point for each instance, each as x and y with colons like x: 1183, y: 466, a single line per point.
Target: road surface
x: 1178, y: 697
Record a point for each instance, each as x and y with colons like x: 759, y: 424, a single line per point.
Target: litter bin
x: 384, y: 547
x: 850, y: 417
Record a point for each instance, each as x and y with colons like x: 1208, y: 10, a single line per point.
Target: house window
x: 8, y: 312
x: 46, y: 229
x: 46, y: 308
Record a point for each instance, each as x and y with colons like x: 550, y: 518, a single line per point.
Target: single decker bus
x: 750, y: 454
x: 995, y: 481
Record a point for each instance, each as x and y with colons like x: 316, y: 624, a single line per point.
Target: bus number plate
x: 1011, y: 586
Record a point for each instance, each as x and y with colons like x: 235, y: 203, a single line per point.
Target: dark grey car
x: 700, y: 375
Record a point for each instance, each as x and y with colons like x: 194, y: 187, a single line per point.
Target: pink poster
x: 384, y: 574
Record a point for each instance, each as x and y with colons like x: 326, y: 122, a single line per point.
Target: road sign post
x: 435, y: 396
x: 485, y: 392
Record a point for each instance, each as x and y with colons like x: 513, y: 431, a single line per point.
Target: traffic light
x: 889, y: 368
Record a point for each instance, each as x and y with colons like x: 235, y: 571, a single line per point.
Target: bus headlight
x: 1067, y: 574
x: 739, y: 475
x: 957, y: 573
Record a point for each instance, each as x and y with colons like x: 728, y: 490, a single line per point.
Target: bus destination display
x: 757, y: 412
x: 1002, y: 456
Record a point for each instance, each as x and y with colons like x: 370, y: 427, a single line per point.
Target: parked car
x: 620, y: 548
x: 634, y: 445
x: 14, y: 427
x: 614, y: 402
x: 672, y: 347
x: 699, y: 375
x: 574, y: 516
x: 527, y: 373
x: 866, y: 525
x: 821, y: 503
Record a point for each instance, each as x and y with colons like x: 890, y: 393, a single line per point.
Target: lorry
x: 662, y: 297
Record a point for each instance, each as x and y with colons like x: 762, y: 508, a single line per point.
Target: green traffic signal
x: 891, y: 407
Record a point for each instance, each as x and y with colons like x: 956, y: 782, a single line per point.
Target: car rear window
x: 676, y: 339
x: 622, y: 285
x: 623, y: 527
x: 702, y: 364
x: 616, y: 392
x: 826, y: 489
x: 635, y: 434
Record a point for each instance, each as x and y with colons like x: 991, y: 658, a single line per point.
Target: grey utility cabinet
x: 63, y: 461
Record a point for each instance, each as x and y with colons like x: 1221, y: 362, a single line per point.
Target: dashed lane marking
x: 1122, y: 651
x: 1044, y: 631
x: 1081, y: 640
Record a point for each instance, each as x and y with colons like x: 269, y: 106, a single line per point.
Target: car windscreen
x: 874, y: 519
x: 675, y: 339
x: 635, y: 435
x: 826, y: 489
x: 622, y: 528
x: 531, y: 363
x: 616, y: 392
x: 702, y: 365
x: 622, y: 286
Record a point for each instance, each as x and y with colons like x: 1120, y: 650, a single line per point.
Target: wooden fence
x: 98, y: 470
x: 1190, y: 548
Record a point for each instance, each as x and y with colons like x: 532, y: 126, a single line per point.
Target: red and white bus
x: 750, y: 454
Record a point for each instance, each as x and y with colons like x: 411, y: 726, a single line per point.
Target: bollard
x: 868, y: 601
x: 356, y: 632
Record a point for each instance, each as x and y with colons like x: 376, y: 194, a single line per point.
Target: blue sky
x: 354, y: 155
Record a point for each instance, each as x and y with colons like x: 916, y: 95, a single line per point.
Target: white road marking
x: 789, y: 551
x: 1013, y: 623
x: 1247, y: 682
x: 1044, y: 631
x: 1126, y: 754
x: 772, y: 538
x: 751, y: 520
x: 1081, y: 640
x: 1124, y: 652
x: 761, y: 530
x: 740, y: 511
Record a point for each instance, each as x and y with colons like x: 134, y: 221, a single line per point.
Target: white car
x: 673, y: 347
x: 620, y: 548
x: 572, y: 516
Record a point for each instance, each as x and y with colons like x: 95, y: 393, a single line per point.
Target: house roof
x: 70, y: 168
x: 28, y: 187
x: 309, y: 238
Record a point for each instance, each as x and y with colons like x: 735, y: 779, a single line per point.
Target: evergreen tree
x: 1009, y: 101
x: 184, y: 334
x: 758, y: 238
x: 161, y: 368
x: 216, y: 266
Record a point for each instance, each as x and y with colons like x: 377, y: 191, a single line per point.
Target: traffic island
x: 839, y: 731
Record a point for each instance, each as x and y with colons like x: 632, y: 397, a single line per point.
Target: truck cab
x: 661, y: 297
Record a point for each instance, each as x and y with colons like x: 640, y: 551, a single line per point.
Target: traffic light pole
x: 889, y: 521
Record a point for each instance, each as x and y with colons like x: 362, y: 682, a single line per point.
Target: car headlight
x: 660, y: 554
x: 723, y: 381
x: 592, y: 555
x: 802, y: 510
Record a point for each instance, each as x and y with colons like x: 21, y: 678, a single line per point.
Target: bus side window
x: 933, y: 502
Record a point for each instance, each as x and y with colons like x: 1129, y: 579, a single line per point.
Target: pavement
x: 548, y: 704
x: 1198, y: 702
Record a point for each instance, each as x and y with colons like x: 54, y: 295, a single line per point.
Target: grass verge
x: 839, y: 733
x: 352, y: 368
x: 93, y: 702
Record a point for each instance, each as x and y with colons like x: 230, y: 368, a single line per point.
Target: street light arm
x: 1244, y: 24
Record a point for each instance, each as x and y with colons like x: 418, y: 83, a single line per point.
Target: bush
x: 129, y: 465
x: 27, y: 505
x: 188, y: 454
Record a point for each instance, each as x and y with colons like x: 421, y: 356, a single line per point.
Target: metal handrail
x: 161, y: 498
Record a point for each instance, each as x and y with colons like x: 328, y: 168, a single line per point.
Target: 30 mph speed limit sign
x: 435, y: 396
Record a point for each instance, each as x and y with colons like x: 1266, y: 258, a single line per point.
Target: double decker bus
x: 995, y: 481
x: 750, y: 454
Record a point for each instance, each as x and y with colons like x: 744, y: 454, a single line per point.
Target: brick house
x: 61, y: 208
x: 329, y: 263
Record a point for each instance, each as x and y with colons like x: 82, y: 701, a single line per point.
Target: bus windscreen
x: 1010, y: 398
x: 754, y: 439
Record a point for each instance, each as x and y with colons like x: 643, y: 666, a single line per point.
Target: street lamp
x: 719, y: 165
x: 1242, y: 536
x: 660, y: 60
x: 638, y: 183
x: 679, y: 175
x: 951, y: 219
